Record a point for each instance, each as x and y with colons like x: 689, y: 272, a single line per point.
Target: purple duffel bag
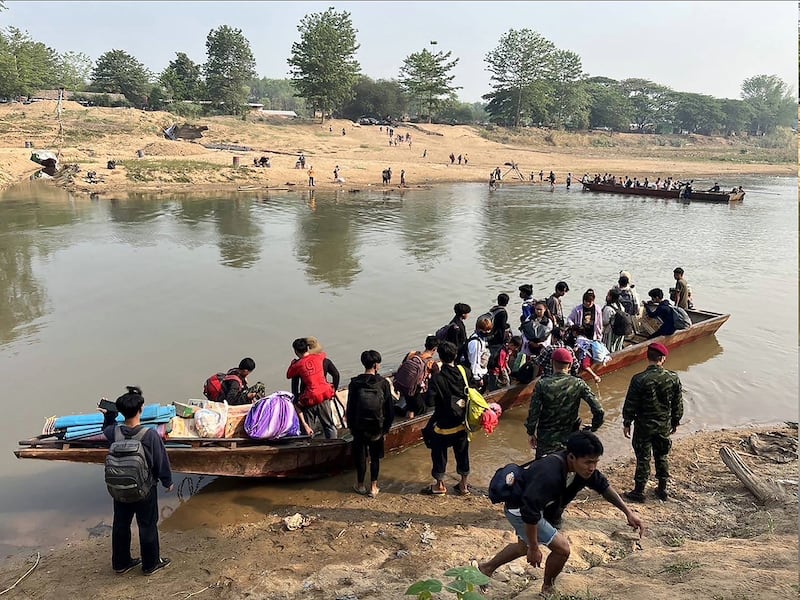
x: 272, y: 417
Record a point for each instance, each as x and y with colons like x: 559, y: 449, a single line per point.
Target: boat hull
x: 308, y: 458
x: 696, y: 196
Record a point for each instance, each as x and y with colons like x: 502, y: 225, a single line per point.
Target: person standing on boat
x: 660, y: 308
x: 370, y: 412
x: 555, y: 405
x: 681, y: 289
x: 528, y: 302
x: 314, y: 395
x: 613, y: 310
x: 446, y: 427
x: 478, y: 353
x: 554, y: 303
x: 654, y: 406
x: 588, y: 317
x: 543, y: 363
x: 456, y: 332
x: 145, y: 511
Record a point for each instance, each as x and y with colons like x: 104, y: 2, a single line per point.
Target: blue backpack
x: 507, y: 483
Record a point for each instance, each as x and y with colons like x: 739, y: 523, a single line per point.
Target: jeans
x: 146, y: 513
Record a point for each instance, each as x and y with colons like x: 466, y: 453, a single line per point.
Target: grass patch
x: 168, y: 169
x: 675, y: 541
x: 680, y: 569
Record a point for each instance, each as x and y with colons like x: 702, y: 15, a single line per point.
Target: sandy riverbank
x: 710, y: 540
x: 90, y: 137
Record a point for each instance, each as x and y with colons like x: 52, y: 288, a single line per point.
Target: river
x: 163, y: 290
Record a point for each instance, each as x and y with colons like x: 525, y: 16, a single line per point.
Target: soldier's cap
x: 564, y: 356
x: 625, y: 274
x: 660, y: 348
x: 526, y: 288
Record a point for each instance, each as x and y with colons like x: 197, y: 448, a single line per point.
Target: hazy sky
x: 702, y: 47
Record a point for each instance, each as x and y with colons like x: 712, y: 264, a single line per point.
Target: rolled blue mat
x: 151, y: 412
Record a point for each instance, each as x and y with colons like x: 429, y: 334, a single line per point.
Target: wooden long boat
x: 308, y: 458
x: 696, y: 196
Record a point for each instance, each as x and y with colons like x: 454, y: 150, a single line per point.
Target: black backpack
x: 127, y: 474
x: 621, y: 323
x: 627, y: 302
x: 507, y: 483
x: 369, y: 401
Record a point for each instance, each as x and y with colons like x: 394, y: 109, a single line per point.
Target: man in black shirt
x: 548, y: 485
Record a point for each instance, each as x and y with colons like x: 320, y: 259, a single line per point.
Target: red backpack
x: 212, y: 388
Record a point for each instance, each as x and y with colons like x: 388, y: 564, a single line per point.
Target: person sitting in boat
x: 588, y: 317
x: 314, y: 395
x: 660, y: 308
x: 714, y: 188
x: 235, y: 389
x: 589, y: 353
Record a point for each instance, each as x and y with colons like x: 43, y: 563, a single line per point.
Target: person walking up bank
x: 536, y: 496
x: 654, y: 405
x: 135, y: 492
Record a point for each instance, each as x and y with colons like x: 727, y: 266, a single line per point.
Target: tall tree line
x: 532, y: 83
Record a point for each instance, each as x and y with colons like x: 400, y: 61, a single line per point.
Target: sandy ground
x: 711, y: 540
x: 90, y: 137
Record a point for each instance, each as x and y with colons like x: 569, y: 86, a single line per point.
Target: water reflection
x: 326, y: 242
x: 239, y: 235
x: 422, y: 226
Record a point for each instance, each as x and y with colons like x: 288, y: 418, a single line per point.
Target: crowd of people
x: 553, y: 346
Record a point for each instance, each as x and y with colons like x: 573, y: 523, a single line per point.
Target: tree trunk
x: 764, y: 490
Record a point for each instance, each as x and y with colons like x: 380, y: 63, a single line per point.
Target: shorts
x: 545, y: 531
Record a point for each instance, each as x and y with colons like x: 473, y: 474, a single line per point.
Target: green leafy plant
x: 463, y: 584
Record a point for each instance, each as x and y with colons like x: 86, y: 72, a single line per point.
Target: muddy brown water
x: 162, y: 290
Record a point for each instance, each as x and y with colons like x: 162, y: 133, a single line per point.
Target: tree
x: 570, y: 102
x: 229, y: 66
x: 426, y: 77
x: 25, y: 65
x: 181, y: 79
x: 651, y: 103
x: 520, y: 59
x: 698, y: 113
x: 608, y: 104
x: 380, y: 99
x: 737, y: 115
x: 117, y: 72
x: 74, y: 70
x: 323, y: 65
x: 276, y: 94
x: 772, y: 102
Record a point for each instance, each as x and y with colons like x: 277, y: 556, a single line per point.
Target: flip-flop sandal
x: 372, y: 494
x: 134, y: 562
x: 429, y: 491
x: 358, y: 490
x: 458, y: 491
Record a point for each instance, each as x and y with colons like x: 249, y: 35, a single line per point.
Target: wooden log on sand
x: 765, y: 491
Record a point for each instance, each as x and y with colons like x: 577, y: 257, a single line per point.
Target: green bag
x: 476, y: 404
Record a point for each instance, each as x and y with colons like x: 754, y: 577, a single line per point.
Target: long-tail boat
x: 694, y: 195
x: 315, y: 457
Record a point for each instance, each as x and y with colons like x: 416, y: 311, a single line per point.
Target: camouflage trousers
x: 551, y: 442
x: 259, y: 389
x: 646, y: 444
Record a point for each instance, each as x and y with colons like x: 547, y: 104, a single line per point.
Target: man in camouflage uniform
x: 555, y: 403
x: 654, y: 404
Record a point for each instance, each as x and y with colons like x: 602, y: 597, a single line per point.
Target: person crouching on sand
x: 534, y: 508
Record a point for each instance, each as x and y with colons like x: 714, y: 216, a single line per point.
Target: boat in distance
x: 305, y: 457
x: 695, y: 196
